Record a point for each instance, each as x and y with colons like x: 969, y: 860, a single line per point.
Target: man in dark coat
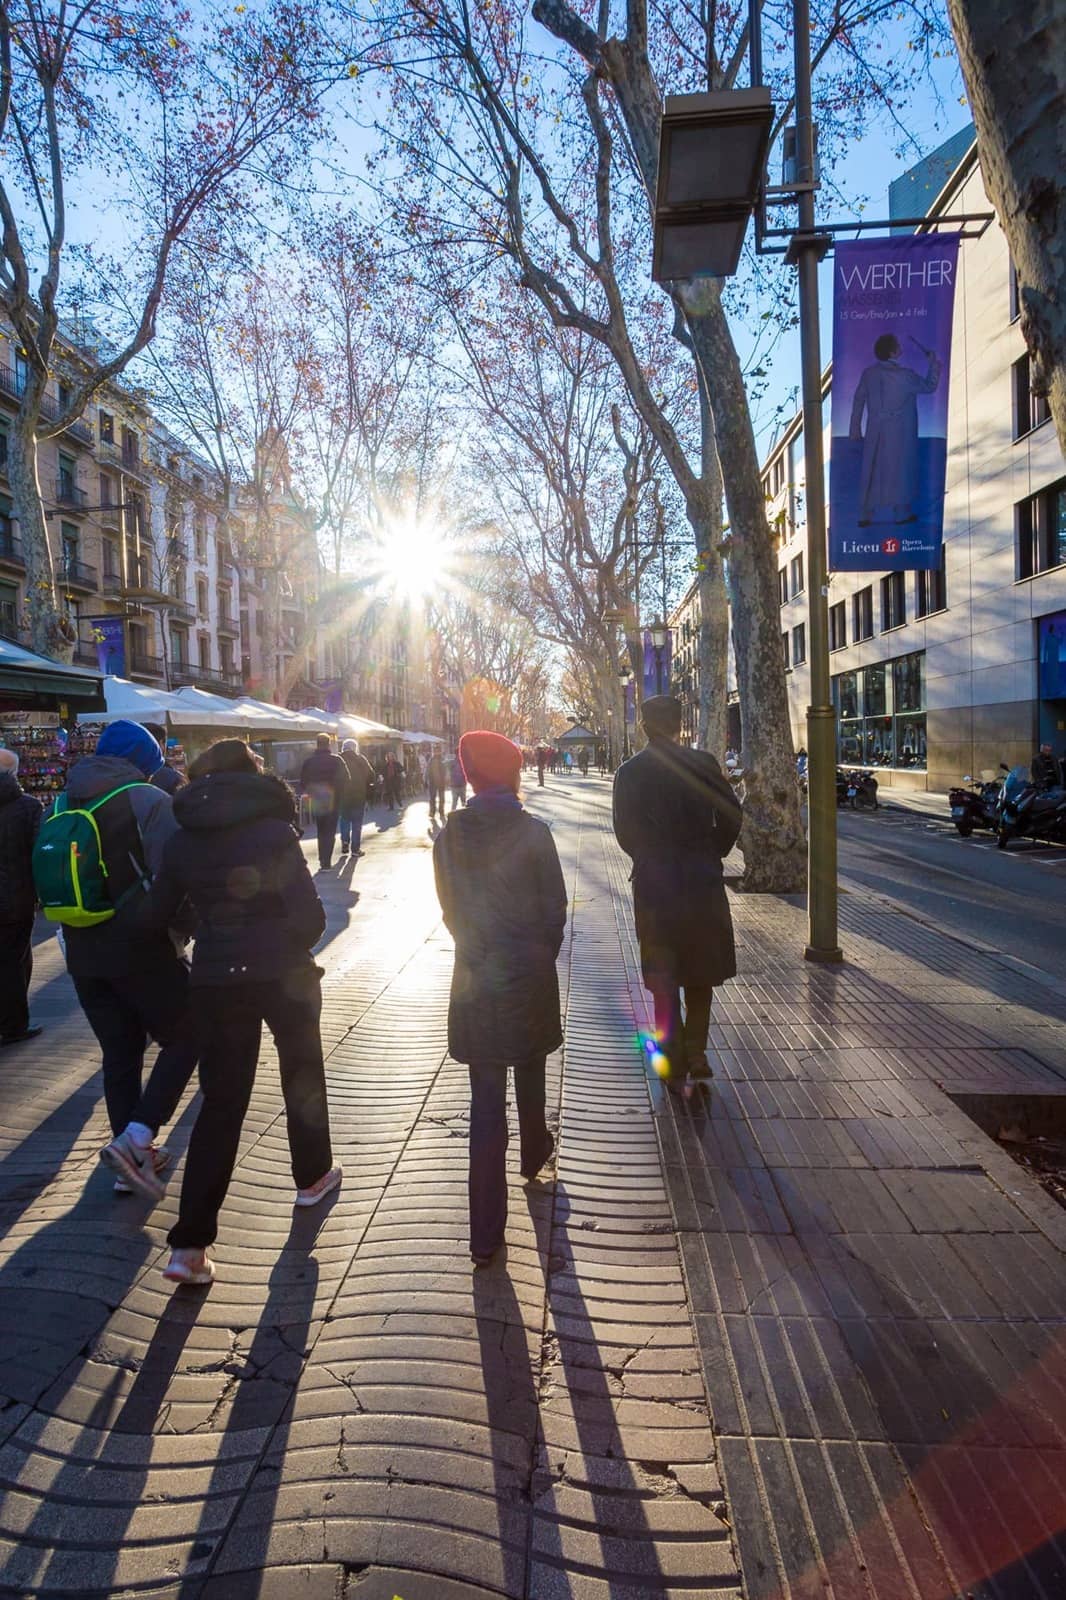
x: 324, y: 779
x: 503, y: 897
x: 436, y: 779
x: 353, y: 805
x: 168, y: 778
x: 20, y: 819
x: 1045, y: 770
x: 676, y: 815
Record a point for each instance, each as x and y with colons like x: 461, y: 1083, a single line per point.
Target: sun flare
x: 413, y: 556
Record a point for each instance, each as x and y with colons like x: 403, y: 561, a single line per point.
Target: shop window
x: 795, y: 576
x: 1040, y: 531
x: 782, y: 585
x: 838, y: 626
x: 932, y: 590
x: 881, y: 714
x: 9, y: 610
x: 893, y: 601
x: 862, y: 611
x: 1030, y: 410
x: 799, y: 644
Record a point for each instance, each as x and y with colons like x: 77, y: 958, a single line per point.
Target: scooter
x: 857, y: 789
x: 1028, y: 812
x: 977, y: 806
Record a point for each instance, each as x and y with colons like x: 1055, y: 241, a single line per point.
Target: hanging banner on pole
x: 658, y: 665
x: 892, y: 310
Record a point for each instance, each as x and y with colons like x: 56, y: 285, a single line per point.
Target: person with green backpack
x: 94, y: 860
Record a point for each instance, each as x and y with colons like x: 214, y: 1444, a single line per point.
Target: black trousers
x: 487, y: 1184
x: 326, y: 829
x: 230, y: 1026
x: 16, y: 969
x: 125, y: 1012
x: 682, y: 1039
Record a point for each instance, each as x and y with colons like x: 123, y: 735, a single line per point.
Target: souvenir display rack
x: 42, y: 753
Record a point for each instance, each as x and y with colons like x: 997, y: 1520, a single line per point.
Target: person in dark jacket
x: 676, y: 815
x: 353, y: 805
x: 167, y: 778
x: 436, y: 779
x: 324, y: 779
x: 1045, y: 771
x: 503, y: 898
x: 392, y: 783
x: 20, y: 819
x: 458, y: 777
x: 236, y: 856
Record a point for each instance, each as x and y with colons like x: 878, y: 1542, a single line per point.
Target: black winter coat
x: 503, y: 897
x: 20, y: 818
x: 324, y: 777
x: 676, y: 815
x: 237, y: 857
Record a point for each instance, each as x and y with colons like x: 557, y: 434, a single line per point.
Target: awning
x: 138, y: 702
x: 421, y: 738
x: 350, y: 726
x: 23, y: 672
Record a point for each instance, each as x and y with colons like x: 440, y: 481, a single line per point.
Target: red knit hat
x: 488, y: 759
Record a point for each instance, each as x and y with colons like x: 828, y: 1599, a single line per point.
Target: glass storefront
x: 881, y: 714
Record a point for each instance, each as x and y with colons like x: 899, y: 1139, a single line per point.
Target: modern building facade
x: 940, y: 674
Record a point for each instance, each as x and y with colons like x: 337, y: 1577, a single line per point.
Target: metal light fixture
x: 712, y: 153
x: 658, y: 632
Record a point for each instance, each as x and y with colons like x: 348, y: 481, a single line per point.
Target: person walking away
x: 542, y: 757
x: 676, y: 815
x: 236, y: 856
x: 583, y: 761
x: 353, y: 803
x: 1045, y: 770
x: 392, y: 773
x: 20, y: 819
x: 458, y: 777
x: 132, y: 986
x: 324, y: 779
x: 435, y: 779
x: 168, y: 778
x: 503, y: 899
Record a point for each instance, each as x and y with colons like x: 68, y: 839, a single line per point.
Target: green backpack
x: 69, y: 871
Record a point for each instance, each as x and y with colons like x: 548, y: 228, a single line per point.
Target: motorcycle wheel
x: 1002, y: 838
x: 965, y: 828
x: 866, y: 801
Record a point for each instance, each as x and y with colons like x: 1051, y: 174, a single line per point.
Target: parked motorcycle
x: 1028, y: 812
x: 857, y: 789
x: 977, y: 806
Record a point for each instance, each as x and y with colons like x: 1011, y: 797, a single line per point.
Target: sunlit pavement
x: 823, y: 1283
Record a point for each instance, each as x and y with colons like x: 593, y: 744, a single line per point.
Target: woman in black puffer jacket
x: 237, y: 858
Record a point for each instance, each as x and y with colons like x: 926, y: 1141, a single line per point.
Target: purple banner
x: 657, y: 665
x: 109, y: 637
x: 892, y: 312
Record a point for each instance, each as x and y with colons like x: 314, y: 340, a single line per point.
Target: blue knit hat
x: 130, y: 742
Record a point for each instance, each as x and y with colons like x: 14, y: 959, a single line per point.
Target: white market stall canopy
x: 421, y: 738
x: 195, y: 708
x: 349, y: 726
x: 133, y: 702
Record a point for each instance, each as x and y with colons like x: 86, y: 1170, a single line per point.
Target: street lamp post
x: 624, y: 676
x: 658, y: 634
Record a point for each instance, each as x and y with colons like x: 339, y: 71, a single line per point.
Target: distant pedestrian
x: 20, y: 819
x: 392, y: 783
x: 583, y: 761
x: 167, y: 778
x: 1045, y: 771
x: 353, y: 801
x: 436, y: 779
x: 542, y: 757
x: 458, y: 780
x: 503, y: 897
x: 132, y: 984
x: 676, y: 815
x: 236, y: 857
x: 324, y: 779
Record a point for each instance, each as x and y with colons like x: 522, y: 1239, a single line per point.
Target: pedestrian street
x: 800, y: 1335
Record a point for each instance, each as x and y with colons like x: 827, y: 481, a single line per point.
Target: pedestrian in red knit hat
x: 503, y: 897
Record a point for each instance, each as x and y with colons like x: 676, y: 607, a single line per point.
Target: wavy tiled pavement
x: 350, y: 1410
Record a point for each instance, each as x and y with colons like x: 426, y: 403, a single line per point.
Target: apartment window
x: 106, y: 424
x: 1040, y: 531
x: 65, y: 393
x: 201, y: 598
x: 795, y: 575
x: 881, y: 714
x: 777, y: 477
x: 68, y: 533
x: 225, y: 651
x: 109, y: 557
x: 22, y: 371
x: 862, y: 613
x: 838, y: 626
x: 134, y: 516
x: 3, y: 450
x: 179, y: 646
x: 200, y: 536
x: 131, y: 446
x: 1030, y: 410
x: 785, y: 652
x: 204, y: 647
x: 893, y: 601
x: 1012, y: 292
x: 799, y: 644
x: 67, y: 476
x: 107, y: 491
x: 932, y: 594
x: 198, y: 483
x: 9, y: 610
x: 782, y: 584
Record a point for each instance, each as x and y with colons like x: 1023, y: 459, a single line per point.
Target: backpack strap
x: 104, y: 798
x: 141, y: 880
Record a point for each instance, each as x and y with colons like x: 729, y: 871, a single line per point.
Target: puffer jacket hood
x: 231, y: 800
x: 96, y: 775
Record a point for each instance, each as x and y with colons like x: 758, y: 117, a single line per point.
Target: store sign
x: 893, y: 301
x: 108, y: 634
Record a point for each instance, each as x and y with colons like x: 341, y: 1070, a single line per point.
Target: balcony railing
x: 227, y: 624
x: 11, y: 384
x: 87, y: 655
x: 205, y: 677
x: 112, y: 582
x: 180, y: 610
x: 144, y: 665
x: 11, y: 551
x: 77, y: 575
x: 68, y: 494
